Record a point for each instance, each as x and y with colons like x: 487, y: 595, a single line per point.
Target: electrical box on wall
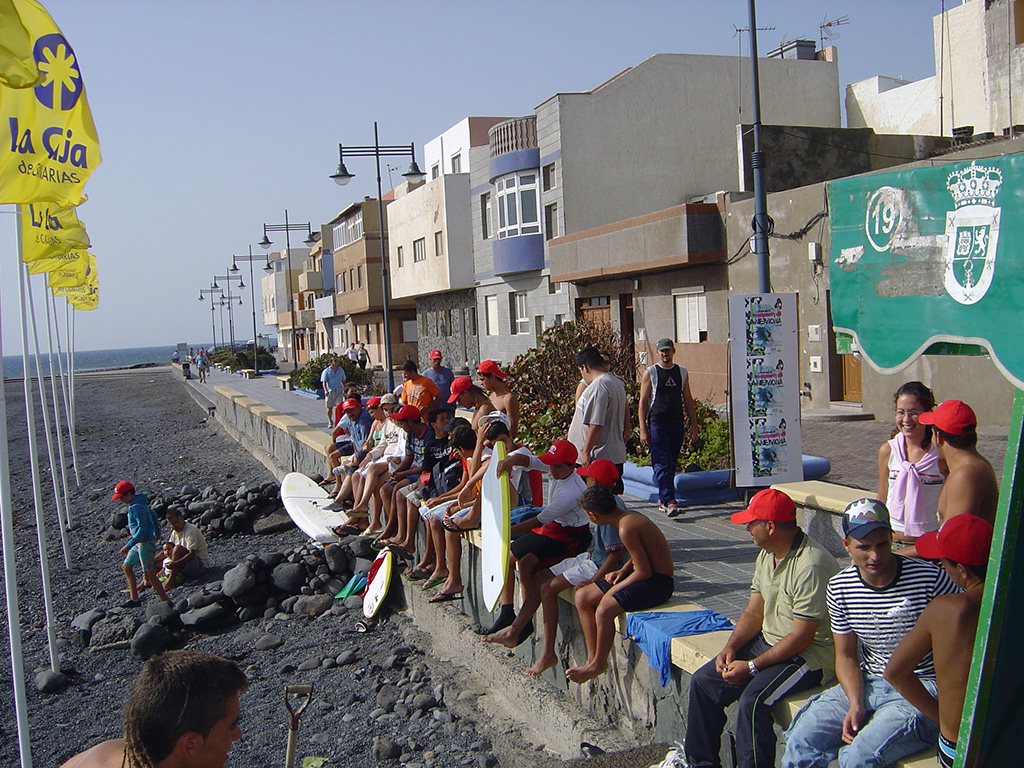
x: 815, y: 363
x: 814, y: 252
x: 814, y: 333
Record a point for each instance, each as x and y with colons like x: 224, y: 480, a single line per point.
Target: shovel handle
x: 305, y: 691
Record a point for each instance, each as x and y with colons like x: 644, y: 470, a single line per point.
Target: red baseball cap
x: 373, y: 402
x: 459, y: 385
x: 435, y: 354
x: 953, y: 416
x: 491, y: 367
x: 965, y: 539
x: 121, y: 489
x: 560, y: 452
x: 351, y: 403
x: 602, y: 470
x: 407, y: 413
x: 768, y: 504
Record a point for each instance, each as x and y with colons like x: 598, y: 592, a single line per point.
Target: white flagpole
x: 64, y: 382
x: 56, y: 403
x: 11, y: 582
x: 30, y: 422
x: 69, y: 316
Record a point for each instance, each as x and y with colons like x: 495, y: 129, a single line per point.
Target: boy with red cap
x: 576, y: 572
x: 492, y: 378
x: 557, y: 531
x: 140, y: 550
x: 782, y: 642
x: 946, y: 628
x: 971, y: 484
x: 649, y: 584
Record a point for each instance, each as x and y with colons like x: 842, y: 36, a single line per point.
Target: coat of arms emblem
x: 972, y: 232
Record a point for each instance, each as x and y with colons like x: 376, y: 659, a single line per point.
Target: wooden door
x: 852, y: 391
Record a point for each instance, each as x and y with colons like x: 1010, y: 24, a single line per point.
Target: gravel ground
x: 139, y: 425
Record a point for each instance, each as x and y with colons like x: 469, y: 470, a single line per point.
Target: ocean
x: 96, y: 360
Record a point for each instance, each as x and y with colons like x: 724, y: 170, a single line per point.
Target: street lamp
x: 227, y: 296
x: 213, y: 322
x: 414, y: 175
x: 266, y: 242
x: 233, y: 269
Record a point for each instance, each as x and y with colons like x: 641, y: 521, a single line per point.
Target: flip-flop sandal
x: 435, y: 582
x: 346, y: 530
x: 446, y: 597
x: 417, y: 574
x: 377, y: 545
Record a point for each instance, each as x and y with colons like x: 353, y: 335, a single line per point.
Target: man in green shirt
x: 782, y: 642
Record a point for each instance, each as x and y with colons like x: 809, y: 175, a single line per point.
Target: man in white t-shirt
x: 185, y: 554
x: 601, y: 421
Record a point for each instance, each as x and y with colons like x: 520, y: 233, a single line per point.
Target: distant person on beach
x: 144, y: 529
x: 333, y: 379
x: 492, y: 378
x: 947, y: 628
x: 183, y: 712
x: 649, y: 583
x: 185, y: 555
x: 202, y: 365
x: 782, y: 643
x: 364, y: 357
x: 667, y: 417
x: 910, y: 469
x: 971, y: 485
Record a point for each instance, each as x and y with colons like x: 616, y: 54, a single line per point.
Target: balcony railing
x: 513, y: 135
x: 311, y: 281
x: 304, y: 318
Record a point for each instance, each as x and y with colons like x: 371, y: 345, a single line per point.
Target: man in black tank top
x: 664, y: 396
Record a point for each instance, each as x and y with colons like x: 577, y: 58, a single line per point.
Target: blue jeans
x: 666, y: 441
x: 894, y: 729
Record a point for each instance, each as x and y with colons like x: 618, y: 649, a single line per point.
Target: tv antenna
x: 826, y: 28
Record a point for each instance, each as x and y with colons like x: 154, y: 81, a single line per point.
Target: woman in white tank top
x: 910, y: 470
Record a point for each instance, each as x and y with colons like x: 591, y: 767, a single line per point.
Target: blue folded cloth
x: 653, y: 632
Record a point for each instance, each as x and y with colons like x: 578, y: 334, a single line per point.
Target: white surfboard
x: 495, y: 529
x: 304, y: 501
x: 377, y: 587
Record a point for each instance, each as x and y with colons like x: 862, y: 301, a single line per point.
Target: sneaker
x: 661, y: 507
x: 672, y: 509
x: 675, y: 758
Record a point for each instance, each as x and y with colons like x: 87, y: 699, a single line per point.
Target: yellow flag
x: 50, y: 148
x: 77, y: 261
x: 83, y: 296
x: 17, y: 64
x: 49, y: 230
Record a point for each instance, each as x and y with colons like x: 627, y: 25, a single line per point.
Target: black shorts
x: 545, y: 548
x: 642, y: 595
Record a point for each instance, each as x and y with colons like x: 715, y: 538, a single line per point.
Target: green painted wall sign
x: 931, y: 256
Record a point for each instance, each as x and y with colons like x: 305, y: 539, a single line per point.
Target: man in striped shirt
x: 872, y: 604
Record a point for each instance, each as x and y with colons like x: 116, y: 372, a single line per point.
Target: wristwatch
x: 753, y: 670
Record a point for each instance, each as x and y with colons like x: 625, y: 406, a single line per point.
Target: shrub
x: 308, y: 377
x: 243, y: 359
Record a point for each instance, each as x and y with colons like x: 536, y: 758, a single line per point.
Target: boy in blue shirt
x: 144, y: 529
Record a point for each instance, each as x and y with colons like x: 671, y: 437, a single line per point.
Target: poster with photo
x: 765, y: 388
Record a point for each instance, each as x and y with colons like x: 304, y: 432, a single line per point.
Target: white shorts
x: 575, y: 570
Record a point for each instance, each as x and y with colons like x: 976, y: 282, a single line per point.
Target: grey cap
x: 666, y: 343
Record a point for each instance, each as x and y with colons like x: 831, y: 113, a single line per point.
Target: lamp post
x: 213, y: 321
x: 231, y: 317
x: 413, y: 175
x: 266, y: 242
x: 252, y: 295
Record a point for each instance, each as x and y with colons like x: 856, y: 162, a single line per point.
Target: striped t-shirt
x: 881, y: 617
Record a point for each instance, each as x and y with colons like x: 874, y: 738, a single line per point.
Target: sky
x: 215, y: 116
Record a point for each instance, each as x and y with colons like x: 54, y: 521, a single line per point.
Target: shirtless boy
x: 650, y: 583
x: 492, y: 378
x: 971, y: 485
x: 947, y: 628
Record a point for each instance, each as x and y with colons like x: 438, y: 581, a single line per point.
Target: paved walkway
x: 714, y: 558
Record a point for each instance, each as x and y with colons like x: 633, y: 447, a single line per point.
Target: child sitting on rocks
x: 650, y: 584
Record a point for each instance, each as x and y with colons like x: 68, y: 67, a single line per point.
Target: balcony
x: 305, y: 318
x: 513, y: 135
x: 311, y: 281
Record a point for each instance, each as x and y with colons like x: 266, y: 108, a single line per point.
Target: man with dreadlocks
x: 182, y: 713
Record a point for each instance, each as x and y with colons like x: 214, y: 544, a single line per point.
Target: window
x: 369, y: 333
x: 517, y: 305
x: 691, y: 313
x: 359, y: 276
x: 439, y: 243
x: 517, y: 205
x: 471, y: 321
x: 435, y: 171
x: 538, y: 325
x: 550, y: 221
x: 339, y: 286
x: 423, y: 323
x: 554, y: 287
x: 491, y: 308
x: 344, y: 281
x: 486, y: 225
x: 348, y: 230
x: 548, y: 177
x: 351, y: 279
x: 401, y: 257
x: 409, y: 330
x: 419, y: 249
x: 442, y: 323
x: 457, y: 163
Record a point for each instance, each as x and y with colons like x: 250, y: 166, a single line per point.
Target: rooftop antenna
x: 737, y: 32
x: 826, y: 28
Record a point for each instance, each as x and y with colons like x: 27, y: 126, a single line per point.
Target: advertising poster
x: 765, y: 389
